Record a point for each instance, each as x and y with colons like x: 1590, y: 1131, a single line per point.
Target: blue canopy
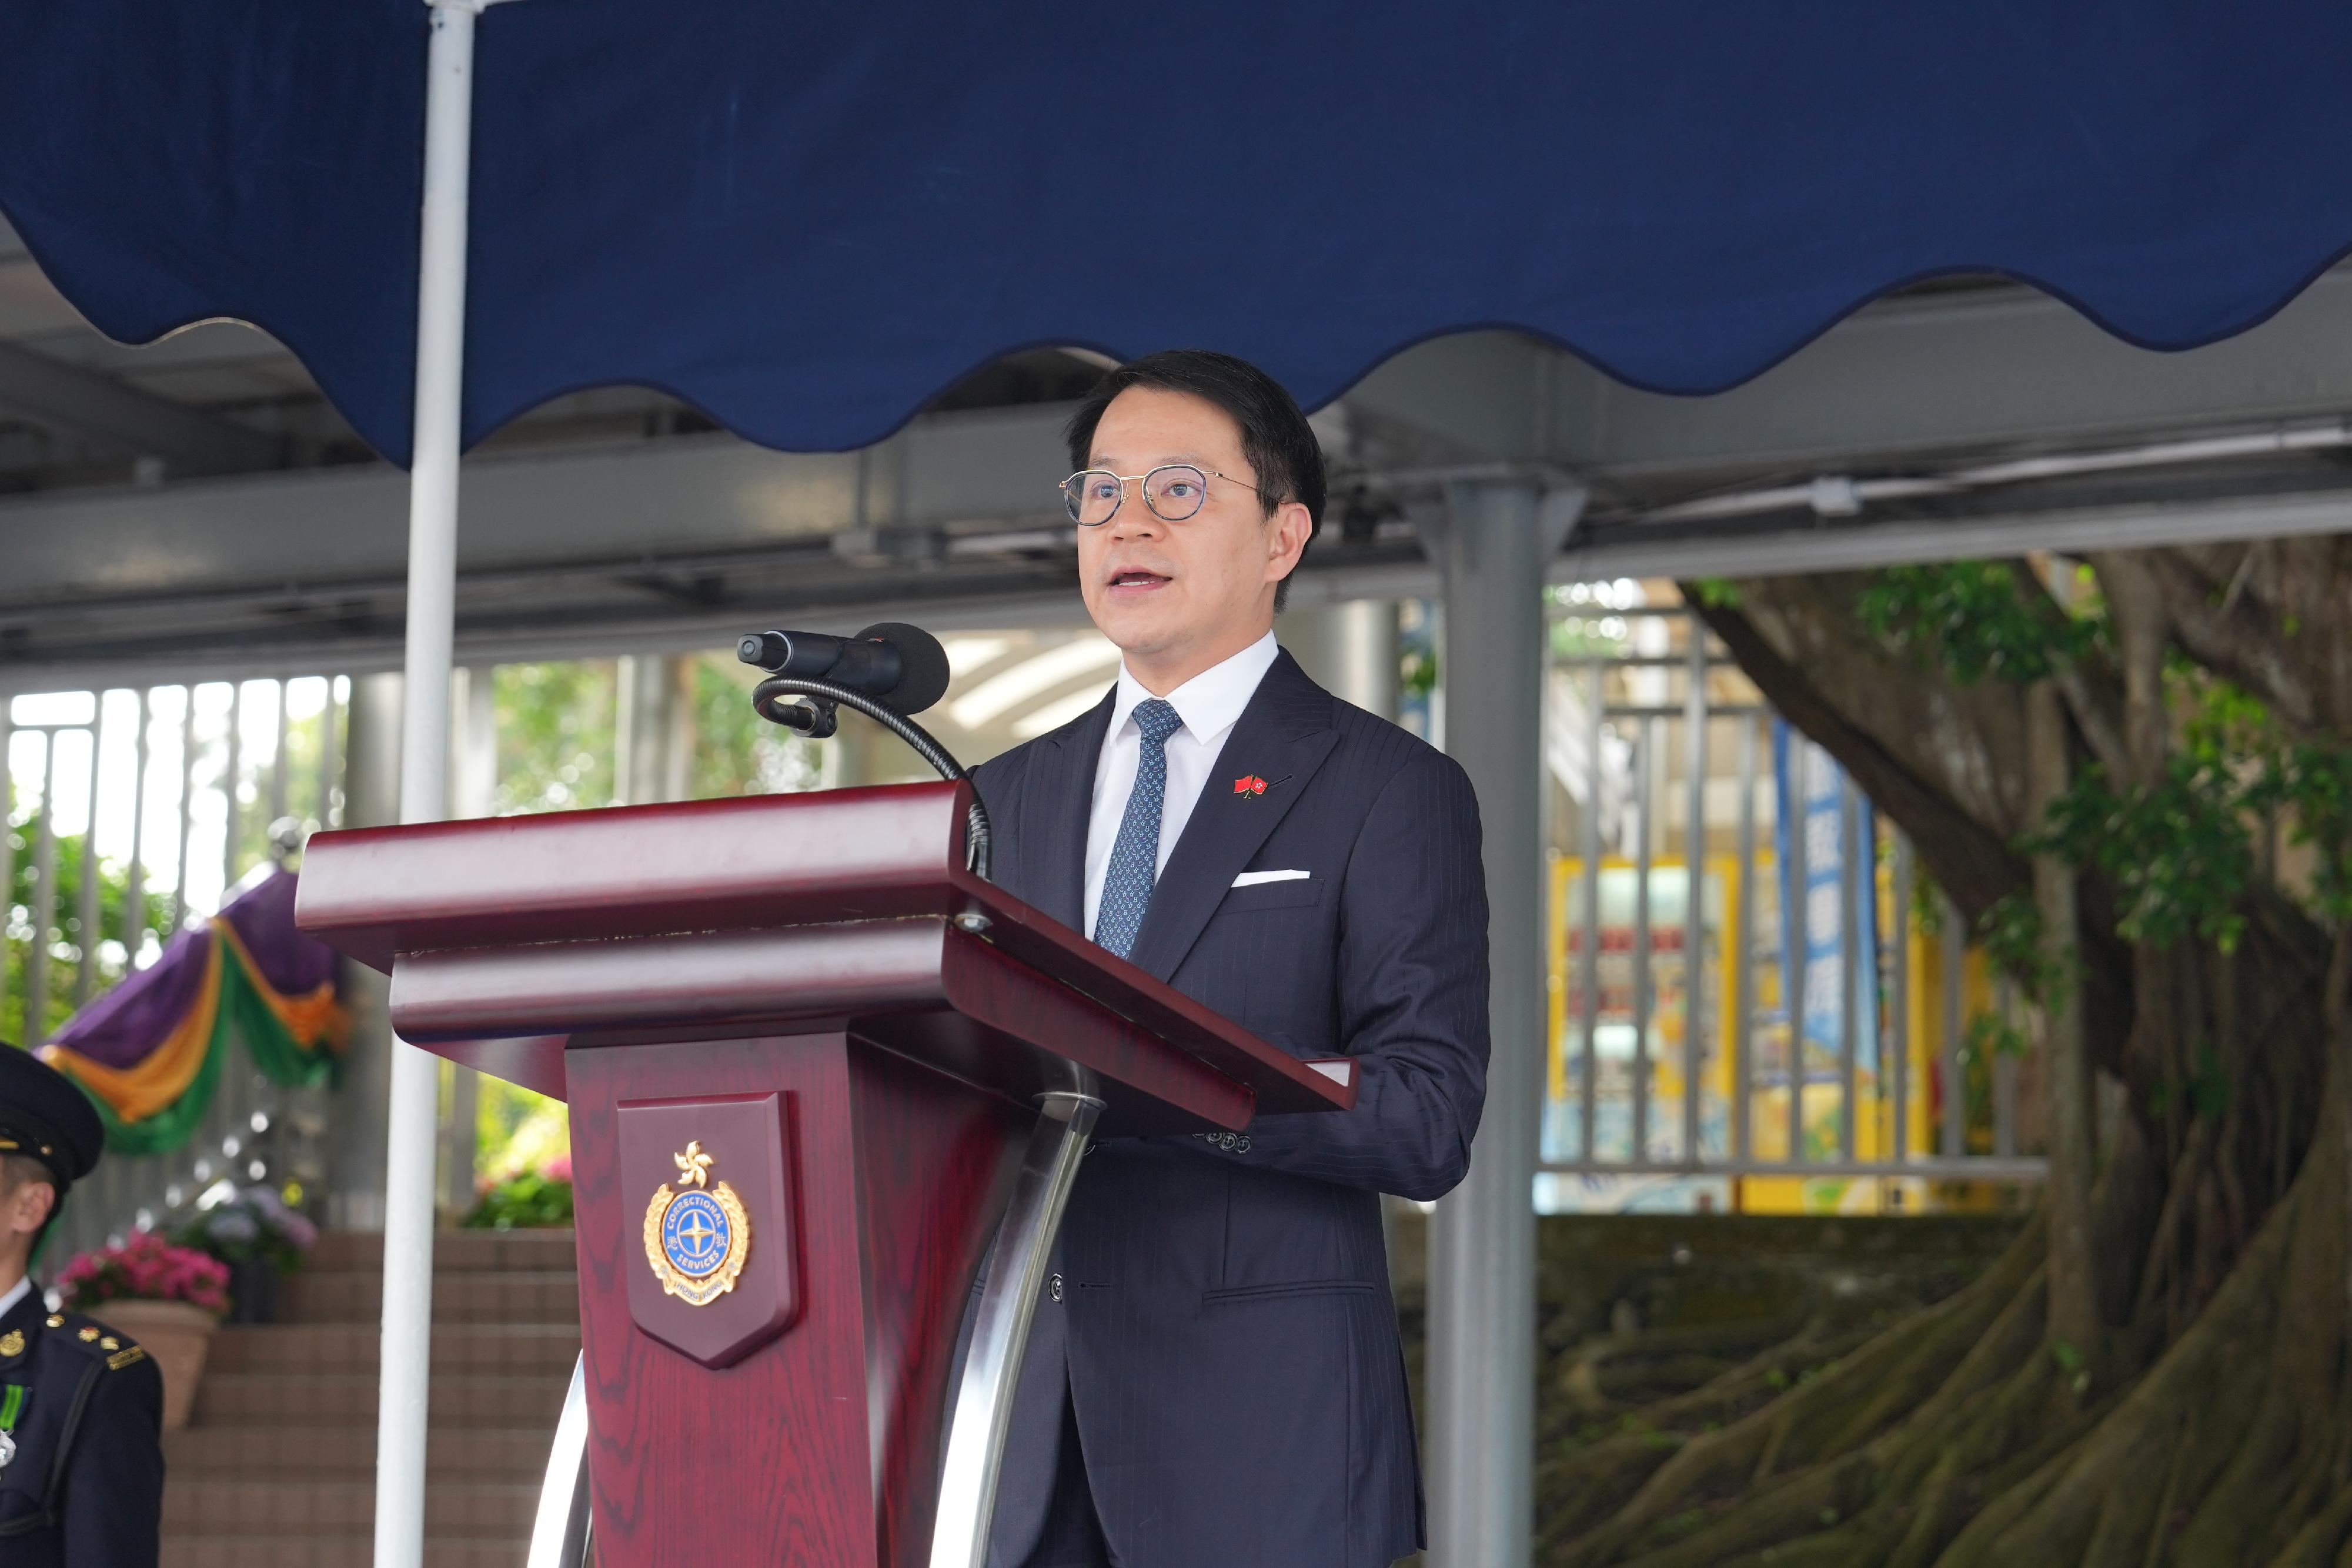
x: 808, y: 219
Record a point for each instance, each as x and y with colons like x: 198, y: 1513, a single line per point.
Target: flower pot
x: 177, y: 1335
x: 253, y: 1291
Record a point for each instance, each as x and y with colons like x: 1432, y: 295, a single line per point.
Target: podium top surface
x: 709, y: 870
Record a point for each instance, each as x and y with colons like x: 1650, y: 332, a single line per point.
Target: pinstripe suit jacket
x: 1219, y: 1319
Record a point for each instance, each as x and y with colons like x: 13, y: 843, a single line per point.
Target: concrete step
x: 517, y: 1454
x: 216, y: 1506
x: 514, y: 1350
x: 453, y: 1250
x: 483, y: 1296
x: 326, y: 1551
x: 327, y: 1399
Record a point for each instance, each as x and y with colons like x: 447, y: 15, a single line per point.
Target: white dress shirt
x: 1210, y: 704
x: 15, y: 1292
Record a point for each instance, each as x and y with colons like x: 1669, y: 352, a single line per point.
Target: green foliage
x: 1973, y: 618
x: 1590, y: 634
x: 1420, y: 672
x: 737, y: 752
x: 2179, y: 853
x: 1927, y: 900
x: 2011, y: 935
x: 62, y: 932
x: 529, y: 1201
x: 516, y: 1130
x: 2207, y: 1091
x: 1990, y: 1035
x: 1714, y: 592
x: 555, y: 726
x: 2310, y: 782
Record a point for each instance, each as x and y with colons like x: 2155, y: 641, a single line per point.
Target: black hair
x: 1276, y: 441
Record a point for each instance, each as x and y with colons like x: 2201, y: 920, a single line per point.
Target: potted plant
x: 531, y: 1200
x: 261, y: 1240
x: 165, y: 1298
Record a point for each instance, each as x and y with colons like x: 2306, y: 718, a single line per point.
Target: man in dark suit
x: 81, y: 1408
x: 1215, y: 1376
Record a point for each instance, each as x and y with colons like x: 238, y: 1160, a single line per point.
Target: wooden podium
x: 817, y: 1069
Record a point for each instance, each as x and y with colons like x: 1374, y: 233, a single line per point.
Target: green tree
x: 737, y: 752
x: 555, y: 727
x: 61, y: 932
x: 2135, y: 781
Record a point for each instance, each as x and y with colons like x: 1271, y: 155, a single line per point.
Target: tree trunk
x: 2077, y: 1336
x: 2160, y: 1372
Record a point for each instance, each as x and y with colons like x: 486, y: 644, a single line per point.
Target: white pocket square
x: 1252, y: 878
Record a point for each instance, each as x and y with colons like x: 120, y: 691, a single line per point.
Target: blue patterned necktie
x: 1135, y: 853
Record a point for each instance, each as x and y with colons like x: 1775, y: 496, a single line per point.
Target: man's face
x: 1178, y: 597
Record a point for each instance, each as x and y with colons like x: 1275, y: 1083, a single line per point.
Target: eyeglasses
x: 1174, y: 491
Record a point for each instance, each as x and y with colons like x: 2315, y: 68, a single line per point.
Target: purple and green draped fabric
x: 149, y: 1053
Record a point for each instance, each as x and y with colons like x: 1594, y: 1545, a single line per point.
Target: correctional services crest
x: 697, y: 1238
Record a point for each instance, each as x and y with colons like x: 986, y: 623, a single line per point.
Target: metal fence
x: 165, y: 784
x: 1744, y: 986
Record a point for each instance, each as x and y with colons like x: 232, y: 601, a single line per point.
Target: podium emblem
x: 698, y: 1237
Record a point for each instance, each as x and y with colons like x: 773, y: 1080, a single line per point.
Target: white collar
x: 1210, y: 702
x: 16, y: 1293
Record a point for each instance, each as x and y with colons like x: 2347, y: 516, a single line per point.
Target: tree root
x: 1810, y: 1430
x: 1612, y: 1373
x: 1956, y: 1439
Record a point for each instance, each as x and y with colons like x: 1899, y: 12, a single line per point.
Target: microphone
x: 903, y: 667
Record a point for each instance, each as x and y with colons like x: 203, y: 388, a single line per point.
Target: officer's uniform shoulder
x: 86, y: 1338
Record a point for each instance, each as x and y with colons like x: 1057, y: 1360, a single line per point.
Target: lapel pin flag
x: 1249, y: 784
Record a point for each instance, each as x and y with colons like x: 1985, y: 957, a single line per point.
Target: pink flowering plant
x: 146, y: 1268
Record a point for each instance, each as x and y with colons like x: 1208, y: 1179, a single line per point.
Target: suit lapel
x: 1055, y: 814
x: 1283, y: 737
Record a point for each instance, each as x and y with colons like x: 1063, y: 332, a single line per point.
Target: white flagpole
x: 405, y: 1374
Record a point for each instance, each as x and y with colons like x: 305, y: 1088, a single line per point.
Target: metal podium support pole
x: 982, y: 1412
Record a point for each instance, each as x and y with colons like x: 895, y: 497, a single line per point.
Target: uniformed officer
x: 81, y: 1408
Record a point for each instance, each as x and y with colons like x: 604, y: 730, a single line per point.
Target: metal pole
x: 86, y: 910
x: 1645, y: 784
x: 134, y: 895
x: 1694, y: 884
x: 1901, y: 1001
x: 407, y: 1346
x: 7, y: 839
x: 2004, y: 1078
x: 277, y: 762
x: 1589, y: 954
x: 44, y: 902
x: 230, y: 825
x: 1956, y: 1098
x: 1743, y: 956
x: 327, y: 751
x: 560, y: 1532
x: 1796, y: 932
x: 1849, y: 966
x: 1492, y: 545
x: 187, y: 805
x: 476, y: 782
x: 982, y: 1412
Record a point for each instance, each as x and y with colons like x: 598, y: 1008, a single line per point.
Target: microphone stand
x: 814, y: 719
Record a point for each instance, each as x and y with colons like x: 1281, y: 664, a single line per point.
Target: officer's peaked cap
x: 45, y: 1114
